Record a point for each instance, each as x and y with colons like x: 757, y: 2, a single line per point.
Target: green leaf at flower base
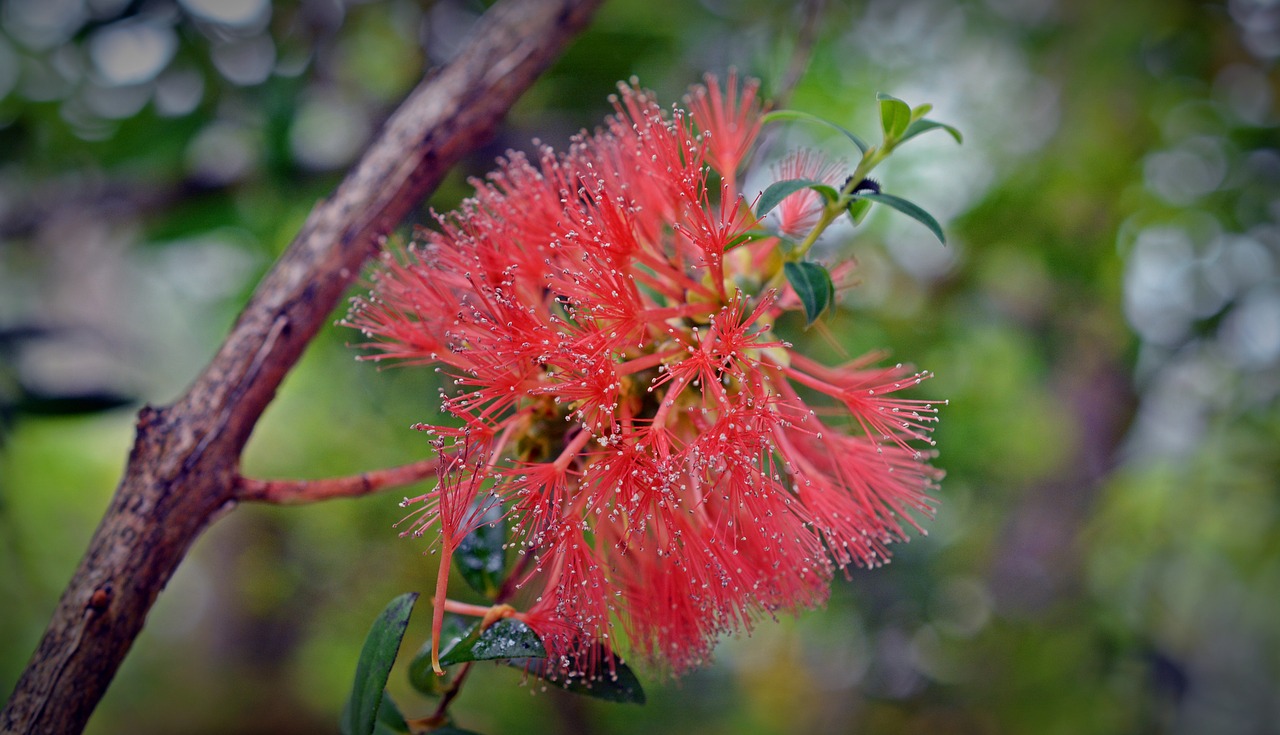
x: 615, y: 682
x: 909, y: 209
x: 507, y: 638
x: 773, y: 195
x: 806, y: 117
x: 924, y: 126
x: 481, y: 558
x: 895, y: 116
x: 421, y: 676
x: 812, y: 283
x: 376, y: 658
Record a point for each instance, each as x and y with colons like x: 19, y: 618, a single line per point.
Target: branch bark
x: 297, y: 492
x: 182, y: 470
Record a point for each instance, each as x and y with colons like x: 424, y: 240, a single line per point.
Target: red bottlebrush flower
x: 673, y: 469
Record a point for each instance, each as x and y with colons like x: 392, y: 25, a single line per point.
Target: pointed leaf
x: 895, y: 115
x: 924, y: 126
x: 921, y: 110
x: 773, y: 194
x: 806, y: 117
x: 376, y: 659
x: 481, y: 558
x: 421, y: 676
x: 616, y: 682
x: 812, y: 283
x: 507, y: 638
x: 909, y: 209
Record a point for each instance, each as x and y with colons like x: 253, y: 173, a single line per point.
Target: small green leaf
x: 421, y: 675
x: 921, y: 111
x: 480, y: 558
x: 773, y: 194
x: 813, y: 285
x: 615, y: 682
x: 909, y: 209
x: 806, y: 117
x: 507, y: 638
x: 858, y: 209
x: 376, y: 659
x: 924, y: 126
x: 895, y: 115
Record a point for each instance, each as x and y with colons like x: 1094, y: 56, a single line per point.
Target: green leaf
x: 921, y: 110
x: 813, y: 285
x: 895, y: 115
x: 507, y: 638
x: 924, y: 126
x: 480, y: 558
x: 773, y: 195
x: 909, y: 209
x: 616, y: 682
x: 390, y: 719
x: 806, y: 117
x: 858, y: 209
x: 421, y: 676
x: 376, y: 659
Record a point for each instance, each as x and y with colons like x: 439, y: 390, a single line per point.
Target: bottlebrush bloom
x: 673, y: 470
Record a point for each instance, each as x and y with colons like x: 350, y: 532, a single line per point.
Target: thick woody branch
x: 297, y: 492
x: 183, y: 466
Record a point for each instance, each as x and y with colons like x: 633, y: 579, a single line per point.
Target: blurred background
x: 1105, y: 321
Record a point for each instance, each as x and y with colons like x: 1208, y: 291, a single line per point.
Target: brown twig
x: 181, y: 473
x: 297, y: 492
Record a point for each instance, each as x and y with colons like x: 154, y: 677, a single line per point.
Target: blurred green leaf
x: 616, y: 682
x: 806, y: 117
x: 895, y: 115
x: 924, y: 126
x: 481, y: 558
x: 909, y: 209
x: 812, y: 283
x: 376, y: 659
x: 773, y: 194
x: 507, y: 638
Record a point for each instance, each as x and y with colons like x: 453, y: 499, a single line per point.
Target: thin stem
x: 297, y: 492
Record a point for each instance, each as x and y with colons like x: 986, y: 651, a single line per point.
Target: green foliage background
x: 1105, y: 322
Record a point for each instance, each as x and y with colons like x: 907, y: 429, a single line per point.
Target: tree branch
x: 297, y: 492
x: 181, y: 473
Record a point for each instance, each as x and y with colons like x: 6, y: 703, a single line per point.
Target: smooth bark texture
x: 182, y: 471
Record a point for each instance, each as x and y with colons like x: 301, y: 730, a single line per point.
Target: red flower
x: 675, y: 470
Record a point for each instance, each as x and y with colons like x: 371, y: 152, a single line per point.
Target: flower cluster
x: 672, y: 469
